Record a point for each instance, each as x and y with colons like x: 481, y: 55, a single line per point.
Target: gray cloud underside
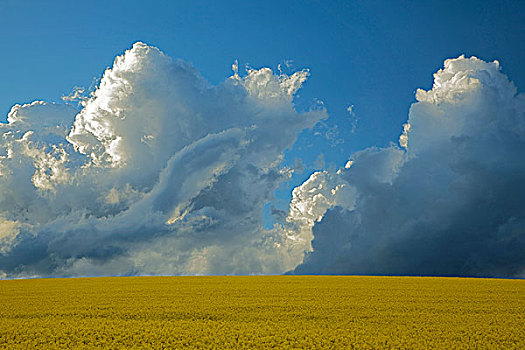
x: 450, y: 200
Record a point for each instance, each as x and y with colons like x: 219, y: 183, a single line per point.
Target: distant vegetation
x: 262, y: 312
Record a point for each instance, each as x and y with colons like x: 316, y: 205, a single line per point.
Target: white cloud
x: 158, y: 173
x: 8, y: 233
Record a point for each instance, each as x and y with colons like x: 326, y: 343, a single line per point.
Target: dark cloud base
x: 453, y: 204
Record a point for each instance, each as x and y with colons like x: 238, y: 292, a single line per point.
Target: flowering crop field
x: 306, y: 312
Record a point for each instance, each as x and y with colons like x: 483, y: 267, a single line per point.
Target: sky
x: 262, y: 137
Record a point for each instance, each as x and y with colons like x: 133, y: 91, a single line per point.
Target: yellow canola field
x: 284, y: 312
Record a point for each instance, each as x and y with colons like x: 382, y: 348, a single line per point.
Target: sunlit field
x: 262, y: 312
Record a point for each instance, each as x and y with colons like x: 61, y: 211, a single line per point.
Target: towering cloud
x: 158, y: 173
x: 450, y: 200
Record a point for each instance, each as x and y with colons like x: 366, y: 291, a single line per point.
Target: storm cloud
x: 449, y: 200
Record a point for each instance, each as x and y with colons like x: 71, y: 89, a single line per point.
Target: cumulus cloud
x: 449, y: 200
x: 159, y: 172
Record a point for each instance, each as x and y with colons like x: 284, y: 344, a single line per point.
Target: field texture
x: 262, y: 312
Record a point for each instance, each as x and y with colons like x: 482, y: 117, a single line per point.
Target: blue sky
x: 372, y: 55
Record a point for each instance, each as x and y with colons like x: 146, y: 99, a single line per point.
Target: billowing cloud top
x: 159, y: 173
x: 449, y: 201
x: 162, y: 173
